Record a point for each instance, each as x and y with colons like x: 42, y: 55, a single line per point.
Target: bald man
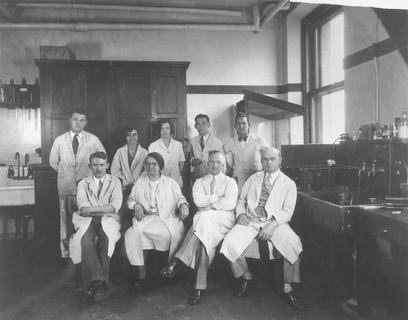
x: 263, y: 211
x: 215, y: 196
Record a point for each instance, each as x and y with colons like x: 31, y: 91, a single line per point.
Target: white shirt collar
x: 216, y: 177
x: 205, y: 137
x: 272, y: 175
x: 97, y: 179
x: 80, y: 135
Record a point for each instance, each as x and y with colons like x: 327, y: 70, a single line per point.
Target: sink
x: 16, y: 196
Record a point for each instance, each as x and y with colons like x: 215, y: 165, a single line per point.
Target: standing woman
x: 172, y: 152
x: 127, y: 165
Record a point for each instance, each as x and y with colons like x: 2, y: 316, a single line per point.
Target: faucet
x: 17, y: 157
x: 26, y: 159
x: 373, y: 170
x: 361, y: 171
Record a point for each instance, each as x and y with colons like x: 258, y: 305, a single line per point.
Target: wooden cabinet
x: 115, y: 94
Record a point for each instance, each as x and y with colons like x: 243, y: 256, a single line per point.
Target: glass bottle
x: 403, y: 128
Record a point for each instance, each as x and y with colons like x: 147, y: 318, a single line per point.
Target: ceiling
x: 82, y: 15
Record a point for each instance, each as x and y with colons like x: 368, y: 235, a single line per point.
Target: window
x: 323, y: 75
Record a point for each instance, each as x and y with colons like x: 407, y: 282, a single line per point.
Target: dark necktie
x: 100, y: 187
x: 243, y: 138
x: 75, y: 144
x: 202, y: 144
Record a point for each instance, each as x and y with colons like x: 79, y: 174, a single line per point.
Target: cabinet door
x: 98, y: 93
x: 62, y: 90
x: 169, y: 98
x: 132, y: 102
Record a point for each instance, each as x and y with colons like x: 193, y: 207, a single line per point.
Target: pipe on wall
x: 223, y: 12
x: 84, y: 26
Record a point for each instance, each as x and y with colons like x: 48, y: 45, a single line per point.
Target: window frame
x: 312, y: 92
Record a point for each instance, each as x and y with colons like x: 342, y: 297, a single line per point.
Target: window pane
x: 332, y: 50
x: 296, y: 130
x: 333, y: 116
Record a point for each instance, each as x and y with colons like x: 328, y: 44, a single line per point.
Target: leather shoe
x: 242, y: 287
x: 99, y: 289
x: 136, y: 286
x: 195, y: 297
x: 292, y: 299
x: 169, y: 271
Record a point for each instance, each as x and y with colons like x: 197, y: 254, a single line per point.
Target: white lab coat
x: 211, y: 144
x: 87, y: 196
x: 172, y: 156
x: 245, y: 159
x: 71, y: 168
x: 169, y: 198
x: 280, y: 205
x: 211, y: 226
x: 120, y: 165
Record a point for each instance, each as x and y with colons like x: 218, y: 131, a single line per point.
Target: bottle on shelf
x: 403, y: 128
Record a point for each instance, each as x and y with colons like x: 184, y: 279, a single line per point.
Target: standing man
x: 69, y: 157
x: 215, y: 196
x: 201, y: 145
x: 263, y: 211
x: 97, y: 225
x: 243, y: 151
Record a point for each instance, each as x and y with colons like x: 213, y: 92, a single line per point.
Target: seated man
x: 97, y: 225
x: 157, y: 224
x: 215, y: 196
x: 263, y: 211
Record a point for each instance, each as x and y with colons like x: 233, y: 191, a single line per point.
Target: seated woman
x: 127, y: 165
x: 157, y: 224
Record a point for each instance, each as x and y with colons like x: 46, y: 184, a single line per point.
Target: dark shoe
x: 195, y: 297
x: 242, y: 287
x: 136, y: 286
x: 99, y: 290
x: 293, y: 300
x: 169, y: 271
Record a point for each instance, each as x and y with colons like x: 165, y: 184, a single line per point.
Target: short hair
x: 79, y: 111
x: 98, y: 154
x: 129, y: 129
x: 156, y: 156
x: 213, y: 152
x: 241, y: 115
x: 201, y: 115
x: 163, y: 121
x: 263, y: 149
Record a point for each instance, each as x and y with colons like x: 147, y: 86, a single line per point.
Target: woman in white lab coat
x: 159, y: 210
x: 172, y: 152
x: 127, y: 165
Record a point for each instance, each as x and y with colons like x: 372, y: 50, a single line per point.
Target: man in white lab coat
x: 97, y: 225
x: 215, y: 196
x: 263, y: 211
x: 242, y: 151
x: 202, y: 144
x: 69, y: 157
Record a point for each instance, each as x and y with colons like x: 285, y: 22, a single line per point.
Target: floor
x: 36, y: 284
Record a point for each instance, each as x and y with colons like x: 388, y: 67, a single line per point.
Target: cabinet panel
x: 97, y: 92
x: 66, y: 90
x: 133, y: 92
x: 167, y: 99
